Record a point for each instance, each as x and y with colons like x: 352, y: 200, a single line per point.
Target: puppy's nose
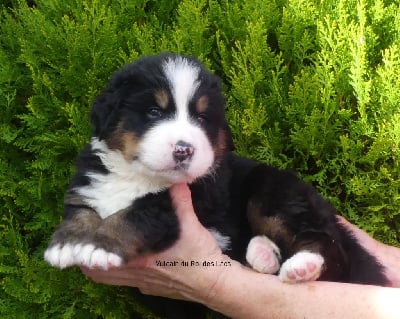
x: 182, y: 151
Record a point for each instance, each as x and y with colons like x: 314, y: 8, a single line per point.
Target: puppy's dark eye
x: 154, y: 113
x: 202, y: 119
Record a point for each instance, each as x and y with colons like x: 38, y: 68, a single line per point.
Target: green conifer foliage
x: 310, y: 85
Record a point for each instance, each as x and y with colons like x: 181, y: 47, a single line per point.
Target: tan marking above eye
x: 202, y: 104
x: 162, y: 98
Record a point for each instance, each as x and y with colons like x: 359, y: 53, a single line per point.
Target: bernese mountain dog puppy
x: 161, y: 121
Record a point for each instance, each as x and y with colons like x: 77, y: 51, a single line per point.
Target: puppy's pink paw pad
x: 311, y: 267
x: 263, y: 255
x: 300, y: 272
x: 301, y: 267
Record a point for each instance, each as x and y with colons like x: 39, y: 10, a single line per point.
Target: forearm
x: 242, y: 293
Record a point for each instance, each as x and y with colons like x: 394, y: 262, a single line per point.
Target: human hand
x: 192, y: 282
x: 197, y: 283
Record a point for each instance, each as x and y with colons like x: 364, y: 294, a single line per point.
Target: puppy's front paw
x: 301, y: 267
x: 263, y: 255
x: 60, y: 256
x: 90, y: 256
x: 86, y: 255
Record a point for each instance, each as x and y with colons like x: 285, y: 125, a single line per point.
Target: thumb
x: 182, y: 200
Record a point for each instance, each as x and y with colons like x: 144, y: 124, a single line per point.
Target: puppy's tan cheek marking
x: 162, y: 98
x: 202, y: 104
x: 125, y: 142
x: 114, y: 140
x: 130, y: 142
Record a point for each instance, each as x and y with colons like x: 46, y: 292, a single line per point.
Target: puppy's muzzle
x: 182, y: 152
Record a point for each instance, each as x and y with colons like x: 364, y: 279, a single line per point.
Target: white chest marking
x: 109, y: 193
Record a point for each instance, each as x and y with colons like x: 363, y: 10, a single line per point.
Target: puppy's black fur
x: 240, y: 198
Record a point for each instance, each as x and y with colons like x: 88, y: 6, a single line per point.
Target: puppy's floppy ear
x: 106, y: 106
x: 230, y: 146
x: 218, y: 97
x: 102, y: 114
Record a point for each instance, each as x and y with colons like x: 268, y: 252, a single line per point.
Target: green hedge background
x: 310, y: 85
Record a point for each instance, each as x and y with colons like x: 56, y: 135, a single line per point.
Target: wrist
x: 230, y: 288
x: 200, y: 280
x: 390, y: 259
x: 208, y: 279
x: 217, y: 283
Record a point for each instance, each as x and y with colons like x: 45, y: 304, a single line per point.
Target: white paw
x: 263, y: 255
x: 81, y: 255
x: 104, y: 260
x: 60, y: 257
x: 301, y: 267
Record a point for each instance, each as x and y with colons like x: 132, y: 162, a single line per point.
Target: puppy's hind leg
x: 314, y: 255
x: 301, y: 267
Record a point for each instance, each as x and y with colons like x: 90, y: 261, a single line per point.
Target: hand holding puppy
x: 242, y: 293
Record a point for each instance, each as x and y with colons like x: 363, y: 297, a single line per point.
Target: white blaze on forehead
x: 155, y: 149
x: 182, y: 76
